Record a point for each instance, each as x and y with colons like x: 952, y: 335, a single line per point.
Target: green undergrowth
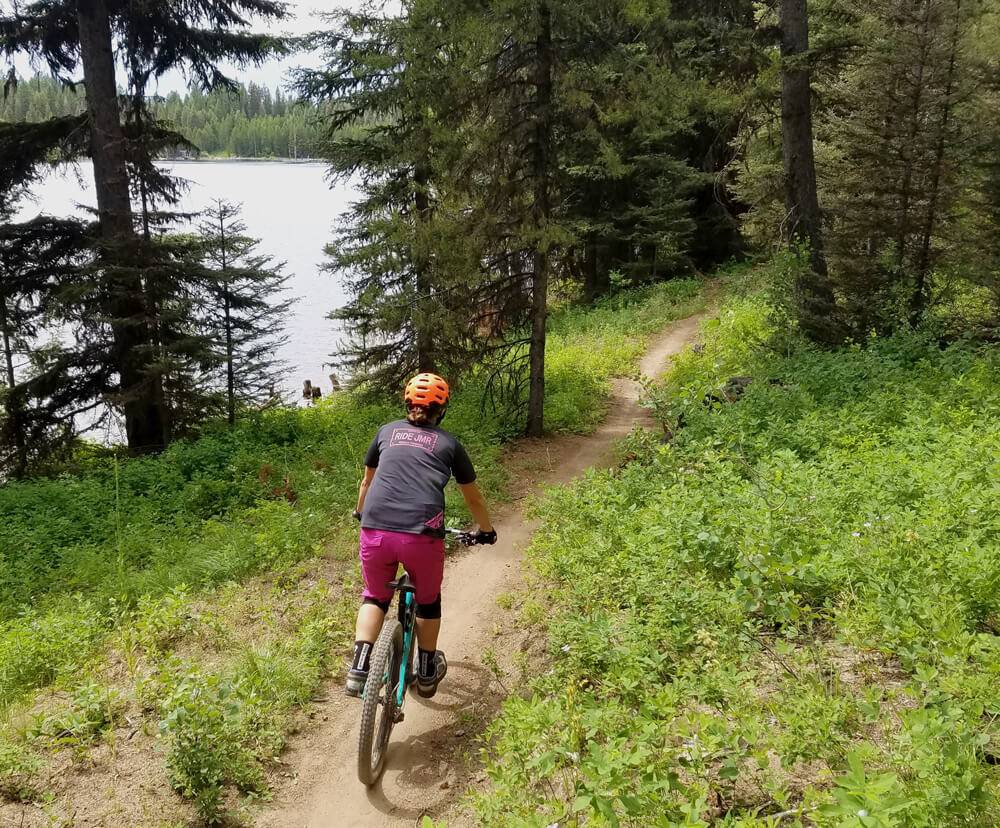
x: 788, y: 614
x: 130, y: 562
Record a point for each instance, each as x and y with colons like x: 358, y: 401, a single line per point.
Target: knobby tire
x: 378, y: 708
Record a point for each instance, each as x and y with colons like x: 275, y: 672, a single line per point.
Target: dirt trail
x: 424, y: 765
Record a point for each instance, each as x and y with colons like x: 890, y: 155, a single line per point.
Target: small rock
x: 445, y: 785
x: 459, y: 733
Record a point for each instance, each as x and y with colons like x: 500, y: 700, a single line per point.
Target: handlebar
x: 463, y: 537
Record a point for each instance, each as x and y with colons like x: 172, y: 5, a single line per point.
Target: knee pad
x: 431, y: 610
x: 382, y: 605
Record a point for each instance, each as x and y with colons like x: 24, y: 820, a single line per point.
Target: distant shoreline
x: 220, y: 159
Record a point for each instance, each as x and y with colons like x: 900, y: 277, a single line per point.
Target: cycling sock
x: 428, y: 664
x: 362, y: 655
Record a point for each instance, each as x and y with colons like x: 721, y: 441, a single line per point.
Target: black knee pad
x: 382, y: 605
x: 431, y: 610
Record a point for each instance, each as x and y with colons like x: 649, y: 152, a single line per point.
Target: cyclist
x: 401, y: 508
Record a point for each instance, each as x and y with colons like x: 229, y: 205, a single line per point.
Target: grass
x: 159, y: 589
x: 790, y: 614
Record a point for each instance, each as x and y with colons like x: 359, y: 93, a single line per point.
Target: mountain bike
x: 390, y: 672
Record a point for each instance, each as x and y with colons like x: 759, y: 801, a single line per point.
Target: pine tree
x: 246, y: 306
x: 386, y: 87
x: 42, y: 387
x: 503, y: 145
x: 157, y: 37
x: 639, y: 144
x: 984, y: 269
x: 38, y: 398
x: 898, y: 185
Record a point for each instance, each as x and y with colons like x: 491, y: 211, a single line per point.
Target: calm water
x: 291, y: 208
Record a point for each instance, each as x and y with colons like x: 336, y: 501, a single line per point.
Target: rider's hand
x: 356, y: 514
x: 486, y: 538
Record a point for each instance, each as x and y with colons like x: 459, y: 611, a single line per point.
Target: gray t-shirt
x: 414, y: 465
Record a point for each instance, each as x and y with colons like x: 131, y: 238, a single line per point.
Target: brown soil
x: 429, y: 760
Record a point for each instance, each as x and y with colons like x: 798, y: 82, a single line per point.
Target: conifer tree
x: 576, y: 160
x: 42, y: 389
x: 156, y: 37
x: 644, y: 136
x: 38, y: 396
x: 899, y: 184
x: 386, y: 85
x: 504, y: 145
x: 245, y: 308
x: 502, y: 183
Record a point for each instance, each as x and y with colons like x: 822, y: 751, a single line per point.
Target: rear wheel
x: 378, y: 708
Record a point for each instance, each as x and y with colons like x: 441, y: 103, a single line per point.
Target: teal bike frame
x: 407, y: 612
x: 407, y: 618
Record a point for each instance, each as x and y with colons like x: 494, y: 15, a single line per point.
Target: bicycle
x: 390, y: 672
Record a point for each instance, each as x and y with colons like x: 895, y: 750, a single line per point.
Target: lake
x: 290, y: 207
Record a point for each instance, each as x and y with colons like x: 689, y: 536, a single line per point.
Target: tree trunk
x: 424, y: 323
x: 595, y: 280
x: 916, y: 124
x: 918, y: 301
x: 816, y: 302
x: 540, y: 218
x: 230, y: 368
x: 227, y: 310
x: 14, y: 403
x: 144, y: 420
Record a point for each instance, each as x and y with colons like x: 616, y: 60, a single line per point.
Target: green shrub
x: 792, y: 607
x: 161, y: 620
x: 38, y: 646
x: 19, y: 767
x: 91, y: 712
x: 201, y: 724
x: 222, y: 728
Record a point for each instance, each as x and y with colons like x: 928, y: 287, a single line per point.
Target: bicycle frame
x: 407, y: 612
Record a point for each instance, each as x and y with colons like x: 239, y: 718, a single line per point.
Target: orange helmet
x: 426, y: 389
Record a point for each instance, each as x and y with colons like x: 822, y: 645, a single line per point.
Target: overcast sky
x: 273, y: 73
x: 304, y: 20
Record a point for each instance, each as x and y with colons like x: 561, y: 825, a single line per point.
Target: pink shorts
x: 421, y: 555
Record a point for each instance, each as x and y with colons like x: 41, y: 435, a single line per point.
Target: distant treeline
x: 253, y: 122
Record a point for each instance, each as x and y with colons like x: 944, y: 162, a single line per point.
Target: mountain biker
x: 401, y: 508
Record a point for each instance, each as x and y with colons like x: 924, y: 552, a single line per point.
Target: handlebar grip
x: 473, y: 538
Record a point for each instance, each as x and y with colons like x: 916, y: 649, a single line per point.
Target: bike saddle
x: 402, y: 584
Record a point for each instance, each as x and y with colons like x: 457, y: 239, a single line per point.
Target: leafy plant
x: 866, y: 801
x: 19, y: 766
x: 201, y: 723
x: 92, y: 711
x: 782, y: 606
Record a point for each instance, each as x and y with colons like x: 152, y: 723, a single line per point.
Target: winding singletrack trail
x: 424, y: 766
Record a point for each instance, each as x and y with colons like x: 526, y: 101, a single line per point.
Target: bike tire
x: 378, y: 707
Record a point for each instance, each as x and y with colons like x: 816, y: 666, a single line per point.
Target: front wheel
x: 378, y: 709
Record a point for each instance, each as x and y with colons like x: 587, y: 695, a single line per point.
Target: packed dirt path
x: 424, y: 765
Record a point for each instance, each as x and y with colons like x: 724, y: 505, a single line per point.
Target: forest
x: 506, y: 156
x: 250, y: 121
x: 781, y: 610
